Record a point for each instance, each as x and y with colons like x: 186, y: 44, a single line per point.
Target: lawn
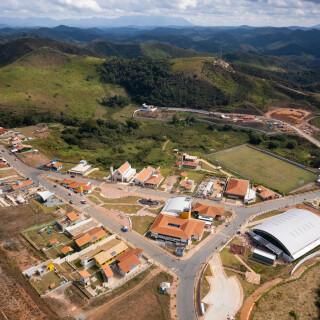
x: 141, y: 223
x: 129, y: 209
x: 94, y: 199
x: 262, y: 168
x: 47, y: 279
x: 205, y: 286
x: 98, y: 175
x: 128, y: 199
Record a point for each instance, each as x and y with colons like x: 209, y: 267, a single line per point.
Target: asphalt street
x: 187, y: 270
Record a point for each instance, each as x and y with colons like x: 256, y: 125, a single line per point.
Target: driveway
x: 225, y: 297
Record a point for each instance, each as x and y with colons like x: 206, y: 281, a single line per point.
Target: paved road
x: 187, y: 270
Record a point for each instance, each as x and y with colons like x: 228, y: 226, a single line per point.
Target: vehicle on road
x: 71, y: 202
x: 83, y: 201
x: 55, y: 186
x: 124, y: 228
x: 73, y: 176
x: 69, y: 194
x: 120, y: 188
x: 228, y: 224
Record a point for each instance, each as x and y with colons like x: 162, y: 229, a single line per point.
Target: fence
x: 310, y: 256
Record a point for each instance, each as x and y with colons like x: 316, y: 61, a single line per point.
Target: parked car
x: 83, y: 201
x: 69, y: 194
x: 71, y: 202
x: 55, y: 186
x: 124, y: 228
x: 120, y: 188
x: 73, y: 176
x: 228, y: 224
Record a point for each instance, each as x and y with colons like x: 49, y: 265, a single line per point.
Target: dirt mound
x: 289, y: 115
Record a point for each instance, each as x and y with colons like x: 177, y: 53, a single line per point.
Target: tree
x: 292, y: 144
x: 273, y: 144
x: 255, y: 138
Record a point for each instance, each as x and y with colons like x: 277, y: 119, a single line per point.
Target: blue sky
x: 198, y: 12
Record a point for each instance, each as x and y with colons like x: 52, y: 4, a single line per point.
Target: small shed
x: 165, y: 287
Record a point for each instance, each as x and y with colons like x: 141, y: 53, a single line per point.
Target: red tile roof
x: 129, y: 263
x: 124, y: 167
x: 144, y: 174
x: 184, y: 174
x: 92, y: 235
x: 186, y: 184
x: 72, y: 216
x: 237, y: 187
x: 155, y: 179
x: 209, y: 210
x: 264, y: 192
x: 186, y: 229
x: 66, y: 249
x: 191, y: 164
x: 107, y: 270
x: 53, y: 241
x: 128, y: 253
x: 84, y: 273
x: 23, y: 184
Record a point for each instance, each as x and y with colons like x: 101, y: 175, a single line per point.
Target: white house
x: 149, y: 177
x: 123, y: 174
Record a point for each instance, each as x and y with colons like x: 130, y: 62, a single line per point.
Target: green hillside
x: 49, y: 80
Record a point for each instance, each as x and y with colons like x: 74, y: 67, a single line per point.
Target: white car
x: 83, y: 201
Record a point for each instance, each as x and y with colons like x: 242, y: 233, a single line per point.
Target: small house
x: 107, y: 273
x: 66, y: 251
x: 84, y: 277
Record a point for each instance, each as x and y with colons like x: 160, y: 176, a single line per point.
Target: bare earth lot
x: 298, y: 296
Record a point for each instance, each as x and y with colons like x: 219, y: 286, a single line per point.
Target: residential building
x: 187, y: 185
x: 81, y: 227
x: 23, y: 148
x: 66, y: 251
x: 237, y: 188
x: 77, y: 186
x: 53, y: 165
x: 21, y: 185
x: 265, y: 193
x: 149, y: 177
x: 70, y: 219
x: 178, y: 206
x: 94, y: 235
x: 176, y: 230
x: 122, y: 174
x: 3, y: 131
x: 106, y: 253
x: 189, y: 162
x: 107, y: 273
x: 128, y: 261
x: 84, y: 277
x: 81, y: 169
x: 207, y: 212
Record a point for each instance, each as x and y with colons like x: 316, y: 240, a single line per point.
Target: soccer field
x: 265, y: 169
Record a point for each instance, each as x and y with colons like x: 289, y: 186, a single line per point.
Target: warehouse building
x: 178, y: 206
x: 295, y: 232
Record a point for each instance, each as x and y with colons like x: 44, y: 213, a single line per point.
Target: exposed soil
x: 33, y: 159
x: 288, y: 115
x: 297, y: 297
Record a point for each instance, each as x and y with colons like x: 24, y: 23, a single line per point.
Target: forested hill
x: 201, y: 83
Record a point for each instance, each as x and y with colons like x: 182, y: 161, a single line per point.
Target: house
x: 80, y: 227
x: 109, y: 254
x: 53, y: 165
x: 103, y: 254
x: 3, y: 165
x: 184, y: 174
x: 237, y: 188
x: 66, y: 251
x: 178, y: 206
x: 122, y: 174
x: 265, y: 193
x: 176, y: 230
x: 107, y: 273
x: 149, y: 177
x: 249, y: 118
x: 17, y: 139
x: 81, y: 169
x: 165, y: 287
x: 128, y: 261
x: 77, y: 186
x: 145, y: 107
x: 84, y: 277
x: 44, y: 196
x: 191, y: 165
x: 94, y: 235
x: 70, y: 219
x: 3, y: 131
x: 187, y: 185
x: 23, y: 148
x: 21, y: 185
x: 53, y: 242
x: 207, y: 212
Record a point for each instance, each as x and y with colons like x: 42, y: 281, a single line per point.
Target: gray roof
x: 296, y: 229
x: 176, y: 205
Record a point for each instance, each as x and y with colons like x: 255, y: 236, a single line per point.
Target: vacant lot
x: 296, y: 298
x: 262, y: 168
x: 33, y: 159
x: 7, y: 173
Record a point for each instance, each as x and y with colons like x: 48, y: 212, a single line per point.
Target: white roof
x: 80, y: 168
x: 264, y: 254
x: 296, y: 230
x: 45, y: 195
x: 176, y: 205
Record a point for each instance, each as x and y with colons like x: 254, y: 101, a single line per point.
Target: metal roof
x: 176, y: 205
x: 297, y: 230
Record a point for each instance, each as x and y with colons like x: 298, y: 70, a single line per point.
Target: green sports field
x: 264, y: 169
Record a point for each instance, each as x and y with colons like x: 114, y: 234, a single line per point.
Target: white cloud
x: 200, y: 12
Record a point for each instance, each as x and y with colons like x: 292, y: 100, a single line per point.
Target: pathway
x: 215, y: 167
x: 225, y: 296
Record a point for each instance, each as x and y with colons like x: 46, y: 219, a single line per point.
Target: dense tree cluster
x: 152, y: 81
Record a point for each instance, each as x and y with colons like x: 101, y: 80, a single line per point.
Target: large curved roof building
x: 295, y: 231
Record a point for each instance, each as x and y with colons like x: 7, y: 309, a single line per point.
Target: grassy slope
x: 265, y: 169
x: 69, y: 83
